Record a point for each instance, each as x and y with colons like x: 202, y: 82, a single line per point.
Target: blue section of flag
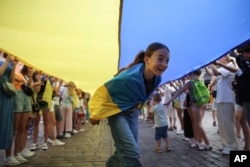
x: 197, y: 32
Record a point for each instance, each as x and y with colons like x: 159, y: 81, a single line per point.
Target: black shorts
x: 58, y: 113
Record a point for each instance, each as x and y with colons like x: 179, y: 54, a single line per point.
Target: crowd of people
x: 133, y: 92
x: 229, y: 102
x: 62, y: 106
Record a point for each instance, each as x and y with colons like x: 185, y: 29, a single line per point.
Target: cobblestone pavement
x: 92, y: 148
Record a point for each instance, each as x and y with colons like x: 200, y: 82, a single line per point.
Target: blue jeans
x: 124, y: 130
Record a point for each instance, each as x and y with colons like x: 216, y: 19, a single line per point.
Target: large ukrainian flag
x: 86, y: 41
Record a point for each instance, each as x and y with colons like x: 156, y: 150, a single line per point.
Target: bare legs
x: 20, y: 126
x: 197, y: 120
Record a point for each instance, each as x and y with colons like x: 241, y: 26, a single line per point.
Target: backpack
x: 200, y: 94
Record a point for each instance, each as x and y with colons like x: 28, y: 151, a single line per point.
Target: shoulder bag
x: 27, y: 90
x: 35, y: 106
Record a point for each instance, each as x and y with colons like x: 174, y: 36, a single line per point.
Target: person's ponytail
x: 138, y: 59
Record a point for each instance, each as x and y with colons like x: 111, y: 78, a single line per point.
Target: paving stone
x: 93, y: 147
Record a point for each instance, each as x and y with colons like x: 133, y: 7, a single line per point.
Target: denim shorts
x: 22, y: 102
x: 161, y: 132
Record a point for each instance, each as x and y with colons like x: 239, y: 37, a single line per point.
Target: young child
x: 120, y: 100
x: 161, y: 123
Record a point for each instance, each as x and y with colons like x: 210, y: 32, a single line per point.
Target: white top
x: 160, y: 119
x: 224, y: 87
x: 56, y: 100
x: 169, y: 90
x: 67, y: 100
x: 81, y: 103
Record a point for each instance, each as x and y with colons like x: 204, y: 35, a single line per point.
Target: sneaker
x: 158, y: 150
x: 67, y: 135
x: 27, y: 153
x: 193, y: 145
x: 186, y: 139
x: 11, y: 161
x: 45, y: 146
x: 208, y: 147
x: 226, y: 151
x: 20, y: 158
x: 50, y: 141
x: 201, y: 147
x: 34, y: 147
x: 57, y: 143
x: 180, y: 132
x: 168, y: 149
x: 75, y: 131
x: 82, y: 129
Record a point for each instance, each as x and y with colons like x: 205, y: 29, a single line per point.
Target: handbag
x: 35, y: 106
x: 8, y: 88
x: 27, y: 90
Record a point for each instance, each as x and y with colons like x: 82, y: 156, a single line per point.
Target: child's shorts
x: 161, y: 132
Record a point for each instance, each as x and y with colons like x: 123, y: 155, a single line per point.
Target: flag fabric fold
x: 121, y: 93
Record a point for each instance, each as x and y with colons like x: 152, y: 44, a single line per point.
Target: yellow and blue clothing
x: 48, y: 92
x: 121, y: 93
x: 118, y: 99
x: 44, y: 96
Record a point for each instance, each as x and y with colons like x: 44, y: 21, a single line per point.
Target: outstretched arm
x: 179, y: 92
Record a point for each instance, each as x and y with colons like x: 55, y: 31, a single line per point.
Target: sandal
x: 168, y: 149
x: 201, y: 147
x: 193, y: 145
x: 158, y: 150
